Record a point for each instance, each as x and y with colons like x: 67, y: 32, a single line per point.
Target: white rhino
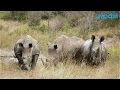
x: 93, y: 51
x: 64, y: 47
x: 27, y: 51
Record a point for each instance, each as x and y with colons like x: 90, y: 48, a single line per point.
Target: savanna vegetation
x: 46, y: 26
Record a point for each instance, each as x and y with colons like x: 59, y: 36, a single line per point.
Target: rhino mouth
x: 95, y: 58
x: 25, y: 67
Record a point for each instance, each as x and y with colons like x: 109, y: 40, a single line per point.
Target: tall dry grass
x: 9, y: 67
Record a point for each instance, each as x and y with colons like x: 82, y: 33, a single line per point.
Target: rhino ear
x: 102, y: 39
x: 20, y: 44
x: 55, y: 47
x: 93, y: 38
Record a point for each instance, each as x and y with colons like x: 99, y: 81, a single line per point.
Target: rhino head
x: 26, y: 55
x: 97, y: 49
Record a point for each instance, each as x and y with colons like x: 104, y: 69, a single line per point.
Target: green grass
x: 2, y: 14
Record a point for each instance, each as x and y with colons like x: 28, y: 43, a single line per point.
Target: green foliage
x: 34, y: 18
x: 109, y: 35
x: 114, y: 52
x: 2, y: 14
x: 73, y: 22
x: 110, y: 23
x: 86, y: 21
x: 43, y: 28
x: 16, y: 15
x: 45, y: 15
x: 33, y: 21
x: 1, y: 27
x: 55, y: 13
x: 85, y: 37
x: 118, y: 34
x: 50, y: 14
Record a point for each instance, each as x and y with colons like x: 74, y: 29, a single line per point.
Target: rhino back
x: 62, y: 42
x: 68, y: 45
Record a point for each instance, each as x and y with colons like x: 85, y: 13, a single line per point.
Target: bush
x: 50, y: 14
x: 56, y: 23
x: 72, y: 17
x: 34, y: 18
x: 110, y: 23
x: 16, y: 15
x: 85, y: 20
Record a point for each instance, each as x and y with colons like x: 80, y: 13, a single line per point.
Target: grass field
x: 11, y: 31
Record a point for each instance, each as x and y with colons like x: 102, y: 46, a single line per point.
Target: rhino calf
x: 93, y: 51
x: 27, y: 51
x: 64, y: 48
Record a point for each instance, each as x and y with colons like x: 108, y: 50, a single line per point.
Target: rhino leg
x: 78, y: 56
x: 34, y: 61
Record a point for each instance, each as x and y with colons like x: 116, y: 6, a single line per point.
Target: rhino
x: 64, y: 47
x: 27, y: 51
x: 92, y: 51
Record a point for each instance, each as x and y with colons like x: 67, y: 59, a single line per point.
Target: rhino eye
x: 30, y: 45
x: 20, y: 44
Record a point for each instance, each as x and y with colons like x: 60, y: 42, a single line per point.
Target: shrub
x: 34, y: 18
x: 85, y: 20
x: 16, y: 15
x: 56, y: 23
x: 50, y: 14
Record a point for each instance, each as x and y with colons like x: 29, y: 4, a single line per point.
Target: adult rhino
x: 64, y: 47
x: 27, y: 51
x: 93, y: 51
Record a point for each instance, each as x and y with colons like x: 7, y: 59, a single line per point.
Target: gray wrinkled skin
x: 27, y: 51
x: 93, y: 51
x: 64, y: 47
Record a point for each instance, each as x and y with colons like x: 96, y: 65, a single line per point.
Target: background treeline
x: 82, y: 21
